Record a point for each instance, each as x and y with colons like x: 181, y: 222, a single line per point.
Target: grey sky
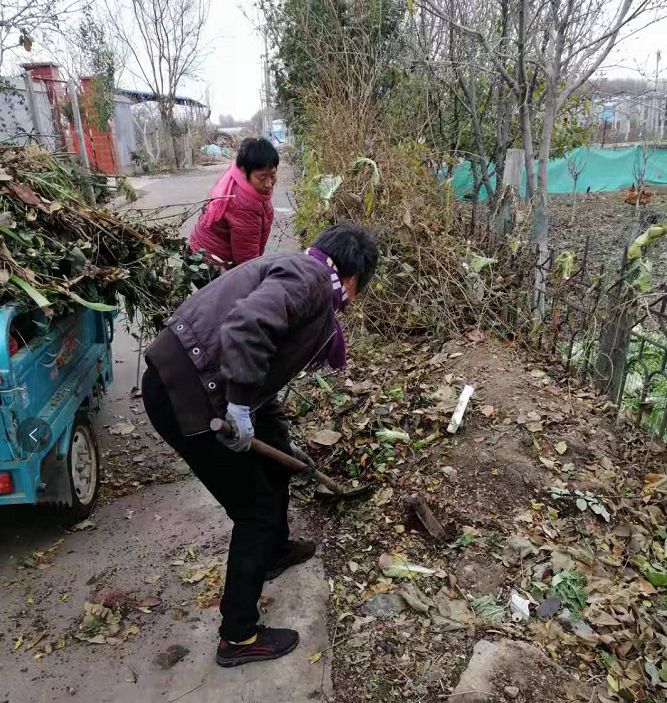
x: 232, y: 67
x: 233, y: 71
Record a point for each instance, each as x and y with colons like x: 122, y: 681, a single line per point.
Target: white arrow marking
x: 34, y: 439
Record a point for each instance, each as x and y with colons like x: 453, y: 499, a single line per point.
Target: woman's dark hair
x: 353, y: 248
x: 256, y: 153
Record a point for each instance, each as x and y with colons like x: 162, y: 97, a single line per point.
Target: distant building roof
x: 142, y: 96
x: 230, y: 130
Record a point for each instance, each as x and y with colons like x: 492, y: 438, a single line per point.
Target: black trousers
x: 254, y: 492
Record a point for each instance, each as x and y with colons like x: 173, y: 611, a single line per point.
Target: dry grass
x: 423, y: 285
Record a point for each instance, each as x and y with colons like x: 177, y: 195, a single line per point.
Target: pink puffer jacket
x: 236, y: 224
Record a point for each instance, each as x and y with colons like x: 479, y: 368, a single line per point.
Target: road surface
x: 148, y: 554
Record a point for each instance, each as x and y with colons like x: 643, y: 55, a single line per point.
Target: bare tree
x: 92, y: 47
x: 556, y: 45
x: 482, y: 92
x: 146, y: 121
x: 575, y: 167
x: 165, y: 39
x: 24, y: 22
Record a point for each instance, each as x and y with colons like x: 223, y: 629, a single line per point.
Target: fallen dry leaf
x: 150, y: 602
x: 560, y: 447
x: 36, y: 640
x: 169, y: 659
x: 195, y: 576
x: 83, y: 525
x: 549, y: 463
x: 415, y: 598
x: 438, y: 359
x: 384, y: 496
x: 326, y: 438
x: 122, y: 428
x: 476, y: 336
x: 98, y: 625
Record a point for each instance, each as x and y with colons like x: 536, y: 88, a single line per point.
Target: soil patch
x: 542, y: 493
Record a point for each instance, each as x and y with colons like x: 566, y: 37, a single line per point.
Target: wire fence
x: 602, y: 329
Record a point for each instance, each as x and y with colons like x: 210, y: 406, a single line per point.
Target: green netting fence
x: 602, y: 170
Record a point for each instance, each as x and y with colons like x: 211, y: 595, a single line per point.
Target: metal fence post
x: 83, y: 152
x: 32, y: 103
x: 611, y: 362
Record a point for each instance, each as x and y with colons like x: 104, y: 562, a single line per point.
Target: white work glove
x: 238, y: 417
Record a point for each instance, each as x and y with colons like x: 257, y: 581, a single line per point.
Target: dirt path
x: 545, y: 580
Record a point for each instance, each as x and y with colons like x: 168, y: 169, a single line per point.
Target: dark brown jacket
x: 244, y: 336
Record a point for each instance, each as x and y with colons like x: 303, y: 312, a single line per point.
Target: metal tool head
x: 323, y: 493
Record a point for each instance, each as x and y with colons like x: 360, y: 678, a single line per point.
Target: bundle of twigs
x: 429, y: 279
x: 56, y: 252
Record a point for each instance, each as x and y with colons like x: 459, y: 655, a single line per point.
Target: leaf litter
x: 591, y: 580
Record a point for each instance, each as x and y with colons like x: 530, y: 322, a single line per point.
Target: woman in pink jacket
x: 235, y: 225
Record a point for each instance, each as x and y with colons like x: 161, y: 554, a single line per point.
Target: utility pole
x: 658, y: 122
x: 81, y: 139
x: 268, y: 101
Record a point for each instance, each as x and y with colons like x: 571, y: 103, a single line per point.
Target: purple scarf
x: 334, y: 352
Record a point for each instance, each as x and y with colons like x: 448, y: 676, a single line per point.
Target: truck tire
x: 83, y: 468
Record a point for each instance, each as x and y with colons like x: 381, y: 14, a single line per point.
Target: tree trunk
x: 527, y: 137
x: 541, y: 219
x: 166, y: 117
x: 524, y: 103
x: 477, y: 186
x: 540, y: 224
x: 541, y: 213
x: 503, y: 221
x: 504, y: 217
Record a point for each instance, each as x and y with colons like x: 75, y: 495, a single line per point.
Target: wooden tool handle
x: 221, y: 427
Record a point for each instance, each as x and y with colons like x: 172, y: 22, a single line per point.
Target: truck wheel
x: 83, y: 468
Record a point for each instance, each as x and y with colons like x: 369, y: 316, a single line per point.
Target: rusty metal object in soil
x: 418, y: 504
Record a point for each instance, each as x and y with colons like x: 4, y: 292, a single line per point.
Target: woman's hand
x: 241, y: 436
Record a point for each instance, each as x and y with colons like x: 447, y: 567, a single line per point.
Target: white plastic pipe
x: 457, y: 417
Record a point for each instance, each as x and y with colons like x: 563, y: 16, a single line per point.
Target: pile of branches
x: 58, y: 253
x: 431, y: 280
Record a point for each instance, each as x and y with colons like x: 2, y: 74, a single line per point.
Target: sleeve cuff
x: 242, y: 394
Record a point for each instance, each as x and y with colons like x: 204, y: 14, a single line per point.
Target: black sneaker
x: 271, y: 643
x: 296, y: 552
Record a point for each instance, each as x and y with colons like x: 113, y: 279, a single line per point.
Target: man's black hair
x: 256, y: 153
x: 353, y: 248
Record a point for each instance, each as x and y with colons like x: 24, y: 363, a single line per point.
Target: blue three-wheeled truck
x: 52, y: 374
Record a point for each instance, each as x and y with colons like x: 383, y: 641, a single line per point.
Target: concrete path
x: 186, y: 192
x: 131, y: 552
x: 136, y: 539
